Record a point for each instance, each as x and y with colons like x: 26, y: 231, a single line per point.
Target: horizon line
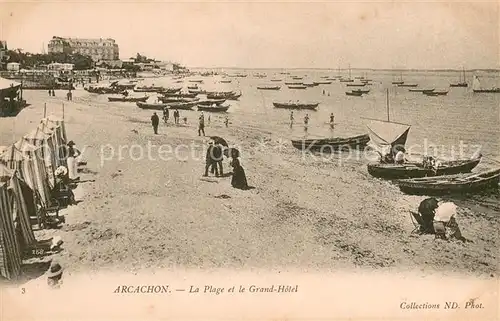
x: 347, y: 69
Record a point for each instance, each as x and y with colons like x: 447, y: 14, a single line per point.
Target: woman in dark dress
x: 239, y: 180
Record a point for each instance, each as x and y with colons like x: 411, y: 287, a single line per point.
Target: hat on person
x: 71, y: 143
x: 55, y: 270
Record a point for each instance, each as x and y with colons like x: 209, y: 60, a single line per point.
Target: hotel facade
x: 98, y: 49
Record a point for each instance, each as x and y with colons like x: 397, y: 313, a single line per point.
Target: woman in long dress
x: 239, y: 179
x: 73, y: 153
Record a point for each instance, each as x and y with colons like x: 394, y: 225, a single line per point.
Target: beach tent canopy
x: 384, y: 136
x: 8, y: 87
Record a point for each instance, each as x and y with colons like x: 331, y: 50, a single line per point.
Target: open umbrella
x: 219, y: 140
x: 231, y: 152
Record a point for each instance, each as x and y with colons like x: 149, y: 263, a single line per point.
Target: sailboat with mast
x: 347, y: 79
x: 388, y: 137
x: 476, y: 87
x: 400, y: 81
x: 461, y: 82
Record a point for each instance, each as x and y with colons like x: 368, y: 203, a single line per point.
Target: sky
x: 424, y: 35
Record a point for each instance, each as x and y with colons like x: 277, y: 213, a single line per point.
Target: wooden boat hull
x: 312, y: 106
x: 408, y: 85
x: 355, y: 85
x: 177, y: 100
x: 459, y: 85
x: 151, y: 106
x: 435, y: 93
x: 416, y: 170
x: 128, y: 99
x: 228, y: 96
x: 451, y: 184
x: 217, y: 109
x: 420, y: 90
x: 297, y: 87
x: 182, y: 106
x: 148, y: 90
x: 354, y: 93
x: 269, y: 88
x: 332, y: 144
x: 493, y: 90
x: 180, y: 95
x: 210, y: 102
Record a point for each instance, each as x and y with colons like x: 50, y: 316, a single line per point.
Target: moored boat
x: 421, y: 90
x: 210, y: 102
x: 354, y: 93
x: 322, y: 82
x: 220, y: 108
x: 148, y: 89
x: 408, y: 85
x: 296, y: 105
x: 230, y: 95
x: 476, y: 87
x: 144, y: 105
x: 170, y: 99
x: 359, y: 90
x: 185, y: 106
x: 332, y: 144
x: 128, y: 99
x: 451, y: 184
x: 356, y: 84
x: 416, y: 170
x: 268, y: 87
x: 297, y: 87
x: 435, y: 93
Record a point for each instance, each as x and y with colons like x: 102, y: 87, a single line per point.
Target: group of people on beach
x: 213, y: 163
x: 306, y: 121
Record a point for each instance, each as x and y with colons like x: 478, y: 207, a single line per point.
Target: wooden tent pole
x: 388, y: 119
x: 63, y: 111
x: 44, y: 110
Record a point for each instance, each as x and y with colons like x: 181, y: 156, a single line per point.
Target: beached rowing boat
x: 177, y: 99
x: 143, y: 105
x: 180, y: 95
x: 128, y: 99
x: 296, y: 105
x: 451, y: 184
x: 210, y: 102
x: 354, y: 93
x: 416, y: 170
x: 231, y: 95
x: 184, y: 106
x: 215, y: 109
x: 332, y: 144
x: 435, y: 93
x: 421, y: 90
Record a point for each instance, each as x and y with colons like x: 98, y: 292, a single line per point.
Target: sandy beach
x: 303, y: 213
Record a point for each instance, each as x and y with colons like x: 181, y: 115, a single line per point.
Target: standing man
x: 176, y: 116
x: 226, y: 121
x: 209, y: 158
x: 306, y: 121
x: 291, y: 119
x: 165, y: 114
x: 201, y: 126
x: 155, y: 121
x: 217, y: 159
x: 332, y: 119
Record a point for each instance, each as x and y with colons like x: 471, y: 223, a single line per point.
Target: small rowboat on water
x: 332, y: 144
x: 151, y: 106
x: 180, y: 95
x: 421, y: 90
x: 224, y: 95
x: 408, y: 85
x: 296, y: 105
x: 363, y: 91
x: 128, y: 99
x: 214, y: 109
x: 415, y: 170
x: 323, y: 82
x: 451, y: 184
x: 268, y: 87
x: 435, y: 93
x: 354, y: 93
x: 297, y: 87
x: 355, y: 84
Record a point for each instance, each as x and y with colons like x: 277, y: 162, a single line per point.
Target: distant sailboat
x: 400, y: 81
x: 348, y: 79
x: 476, y: 87
x: 460, y: 83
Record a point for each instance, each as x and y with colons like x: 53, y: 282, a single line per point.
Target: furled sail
x: 384, y: 136
x: 476, y: 85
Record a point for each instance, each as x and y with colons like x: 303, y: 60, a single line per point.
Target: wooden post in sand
x: 44, y: 110
x: 63, y: 111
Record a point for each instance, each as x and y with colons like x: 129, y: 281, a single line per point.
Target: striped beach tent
x: 10, y: 249
x: 23, y: 157
x: 59, y: 122
x: 45, y: 142
x: 55, y: 132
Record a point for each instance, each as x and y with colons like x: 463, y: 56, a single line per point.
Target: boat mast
x: 349, y: 71
x: 387, y: 95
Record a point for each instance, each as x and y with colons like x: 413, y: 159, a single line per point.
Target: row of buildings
x: 104, y: 52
